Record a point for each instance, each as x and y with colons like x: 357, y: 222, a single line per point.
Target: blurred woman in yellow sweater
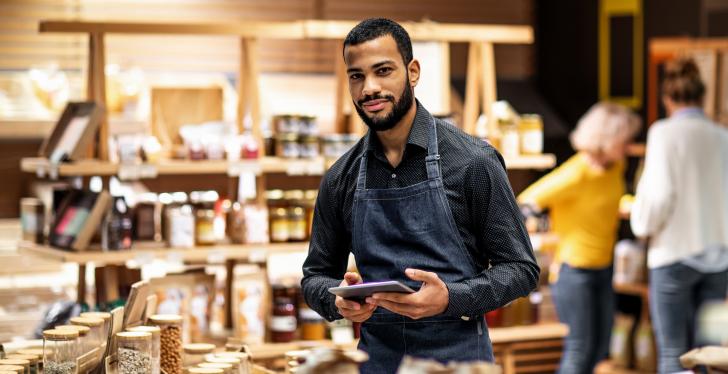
x: 582, y: 196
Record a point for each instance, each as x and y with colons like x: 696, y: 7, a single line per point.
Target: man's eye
x: 355, y: 76
x: 385, y: 70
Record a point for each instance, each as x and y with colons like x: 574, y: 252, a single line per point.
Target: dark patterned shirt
x: 482, y: 204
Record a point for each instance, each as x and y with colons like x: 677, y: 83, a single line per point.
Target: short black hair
x: 373, y: 28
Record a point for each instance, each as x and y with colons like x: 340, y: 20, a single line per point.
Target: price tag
x: 237, y: 168
x: 136, y: 171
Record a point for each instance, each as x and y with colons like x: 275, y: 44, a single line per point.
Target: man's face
x: 379, y: 82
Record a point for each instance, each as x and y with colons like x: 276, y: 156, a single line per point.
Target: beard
x: 399, y: 109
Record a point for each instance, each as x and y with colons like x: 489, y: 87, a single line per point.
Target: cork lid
x: 205, y: 371
x: 17, y: 356
x: 82, y: 330
x: 224, y: 360
x: 217, y: 365
x: 198, y: 348
x: 133, y: 336
x: 32, y: 351
x: 166, y: 319
x: 102, y: 315
x: 10, y: 371
x: 154, y: 330
x: 241, y: 356
x: 86, y: 321
x: 15, y: 369
x: 60, y: 334
x: 15, y: 362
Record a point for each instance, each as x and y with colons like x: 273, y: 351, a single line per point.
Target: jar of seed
x: 171, y: 341
x: 11, y: 369
x: 242, y: 357
x: 155, y: 331
x: 226, y: 368
x: 84, y: 343
x: 199, y: 370
x: 60, y: 351
x: 233, y: 361
x: 25, y: 364
x: 32, y: 359
x: 95, y: 336
x: 104, y: 316
x: 37, y: 352
x: 134, y: 352
x: 195, y: 353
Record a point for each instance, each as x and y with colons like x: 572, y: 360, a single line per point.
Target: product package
x: 187, y: 295
x: 72, y: 133
x: 251, y: 303
x: 77, y: 219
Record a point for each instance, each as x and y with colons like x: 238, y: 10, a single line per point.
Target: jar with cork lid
x: 226, y: 368
x: 195, y: 353
x: 84, y: 344
x: 32, y: 360
x: 105, y: 316
x: 170, y: 326
x: 233, y: 361
x: 199, y: 370
x: 60, y: 351
x: 95, y: 337
x: 155, y: 331
x: 25, y: 364
x: 242, y: 357
x: 37, y: 352
x: 11, y: 369
x: 134, y: 352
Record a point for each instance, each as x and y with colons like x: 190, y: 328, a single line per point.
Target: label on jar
x: 509, y: 144
x: 297, y: 230
x: 532, y: 142
x: 283, y: 323
x: 279, y: 230
x: 205, y: 232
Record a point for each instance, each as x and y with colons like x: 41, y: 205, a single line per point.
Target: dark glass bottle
x: 117, y: 231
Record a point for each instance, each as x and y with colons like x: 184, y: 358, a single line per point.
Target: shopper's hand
x: 432, y: 298
x: 352, y: 310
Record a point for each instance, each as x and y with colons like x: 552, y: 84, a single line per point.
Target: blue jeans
x: 676, y: 293
x: 584, y: 300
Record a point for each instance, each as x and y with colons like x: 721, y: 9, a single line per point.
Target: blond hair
x: 604, y: 125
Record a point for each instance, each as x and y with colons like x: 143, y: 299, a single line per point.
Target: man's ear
x: 414, y: 72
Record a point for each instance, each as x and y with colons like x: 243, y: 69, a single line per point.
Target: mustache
x: 375, y: 97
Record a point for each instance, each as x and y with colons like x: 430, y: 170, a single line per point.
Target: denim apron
x: 412, y: 227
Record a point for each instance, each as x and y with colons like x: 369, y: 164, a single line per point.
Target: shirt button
x: 465, y: 318
x: 394, y: 176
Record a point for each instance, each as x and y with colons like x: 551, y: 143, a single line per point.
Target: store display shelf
x: 42, y: 167
x: 144, y: 254
x: 541, y: 331
x: 634, y: 289
x: 538, y: 162
x: 608, y: 367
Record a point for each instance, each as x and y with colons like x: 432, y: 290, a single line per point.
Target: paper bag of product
x: 645, y: 356
x: 620, y: 346
x: 327, y: 360
x: 411, y: 365
x: 715, y: 358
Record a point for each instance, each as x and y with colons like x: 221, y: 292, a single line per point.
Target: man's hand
x: 352, y: 310
x: 432, y: 298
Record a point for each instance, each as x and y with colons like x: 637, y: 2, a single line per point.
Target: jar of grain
x: 134, y: 352
x: 171, y: 342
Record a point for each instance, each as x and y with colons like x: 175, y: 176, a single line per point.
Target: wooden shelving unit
x: 528, y: 349
x: 218, y: 253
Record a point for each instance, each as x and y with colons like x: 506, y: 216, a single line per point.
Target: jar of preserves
x: 309, y: 146
x: 279, y: 225
x: 287, y: 145
x: 283, y: 323
x: 510, y: 141
x: 313, y: 326
x: 195, y: 353
x: 205, y: 226
x: 156, y: 344
x: 531, y: 134
x: 60, y: 351
x: 297, y: 228
x: 32, y: 219
x: 148, y: 218
x: 171, y: 341
x: 134, y: 352
x: 84, y: 341
x: 181, y: 226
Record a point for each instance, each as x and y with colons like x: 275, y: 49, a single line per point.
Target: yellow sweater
x: 584, y: 204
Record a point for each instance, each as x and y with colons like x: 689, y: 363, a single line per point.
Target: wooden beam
x: 489, y: 78
x: 674, y: 45
x: 96, y: 91
x: 342, y: 98
x: 471, y: 108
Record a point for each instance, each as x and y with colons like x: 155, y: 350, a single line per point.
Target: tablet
x: 360, y: 291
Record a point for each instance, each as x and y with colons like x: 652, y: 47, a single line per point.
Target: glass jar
x: 205, y: 226
x: 84, y: 341
x: 297, y: 224
x: 12, y: 369
x: 25, y: 364
x: 226, y: 368
x: 95, y: 337
x: 117, y: 226
x: 134, y: 352
x: 313, y: 326
x: 37, y: 352
x: 181, y: 226
x: 309, y: 146
x: 171, y: 341
x: 236, y: 223
x: 242, y: 357
x: 155, y: 331
x: 107, y: 321
x: 283, y: 323
x: 199, y: 370
x: 510, y: 142
x: 148, y: 218
x: 309, y: 203
x: 60, y: 351
x: 32, y: 219
x: 531, y: 133
x: 234, y: 362
x: 287, y: 145
x: 279, y: 225
x: 195, y: 353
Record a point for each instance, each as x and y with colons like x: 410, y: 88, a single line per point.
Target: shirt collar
x: 691, y: 111
x: 418, y: 133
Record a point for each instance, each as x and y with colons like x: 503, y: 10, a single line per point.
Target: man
x: 418, y: 201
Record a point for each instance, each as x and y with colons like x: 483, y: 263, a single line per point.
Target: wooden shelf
x: 538, y: 162
x: 266, y: 165
x: 214, y: 254
x: 608, y: 367
x: 634, y: 289
x: 545, y: 331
